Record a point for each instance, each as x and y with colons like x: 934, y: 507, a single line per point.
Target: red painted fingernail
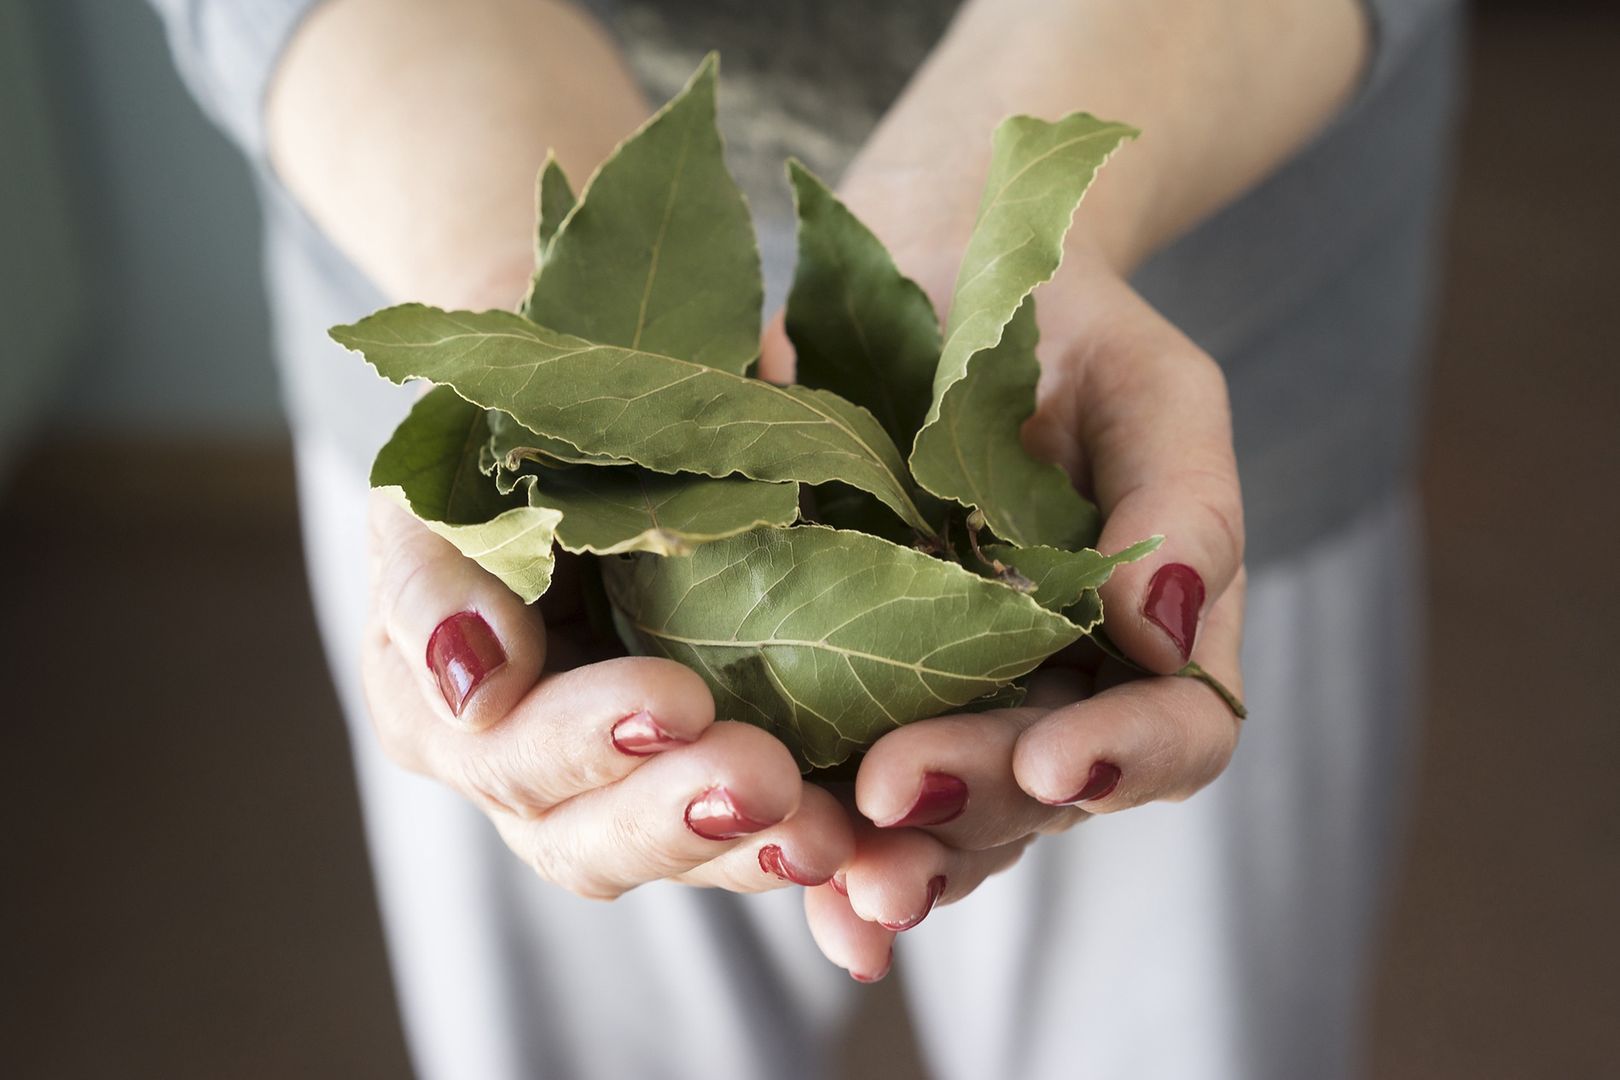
x: 941, y: 798
x: 1175, y: 596
x: 461, y: 653
x: 839, y: 885
x: 640, y: 735
x: 1101, y: 781
x: 713, y: 815
x: 936, y: 888
x: 887, y: 964
x: 773, y: 861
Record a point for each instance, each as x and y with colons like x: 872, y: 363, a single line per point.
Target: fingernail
x: 713, y: 815
x: 941, y: 798
x: 887, y: 964
x: 461, y: 654
x: 839, y: 885
x: 1101, y: 781
x: 936, y: 888
x: 640, y: 735
x: 1175, y: 596
x: 773, y: 861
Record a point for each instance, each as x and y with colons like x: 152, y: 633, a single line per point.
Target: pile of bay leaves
x: 773, y: 538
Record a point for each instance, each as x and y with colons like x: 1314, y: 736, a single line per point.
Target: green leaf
x: 845, y: 507
x: 553, y: 199
x: 615, y: 510
x: 1086, y: 612
x: 430, y: 466
x: 860, y: 328
x: 664, y: 414
x: 1023, y: 500
x: 511, y: 446
x: 659, y: 252
x: 827, y: 639
x: 968, y: 448
x: 1061, y: 577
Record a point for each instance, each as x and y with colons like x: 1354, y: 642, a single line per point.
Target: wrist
x: 925, y: 219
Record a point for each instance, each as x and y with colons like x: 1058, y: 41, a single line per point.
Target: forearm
x: 411, y: 131
x: 1223, y: 93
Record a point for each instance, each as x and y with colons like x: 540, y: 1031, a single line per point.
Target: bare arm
x: 1223, y: 93
x: 411, y: 131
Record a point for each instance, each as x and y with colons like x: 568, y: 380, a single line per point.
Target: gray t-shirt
x: 1311, y: 291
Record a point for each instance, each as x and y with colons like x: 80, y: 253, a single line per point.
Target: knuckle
x: 659, y: 677
x: 493, y: 787
x: 1225, y: 521
x: 628, y: 834
x: 587, y: 772
x: 399, y: 751
x: 587, y: 884
x: 585, y: 880
x: 1201, y: 377
x: 543, y: 861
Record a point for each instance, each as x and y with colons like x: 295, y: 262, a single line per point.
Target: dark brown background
x: 186, y: 893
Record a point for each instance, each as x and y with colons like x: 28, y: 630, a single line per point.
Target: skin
x: 412, y: 130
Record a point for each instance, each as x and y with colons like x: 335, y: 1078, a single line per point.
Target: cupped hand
x: 601, y: 776
x: 1138, y: 416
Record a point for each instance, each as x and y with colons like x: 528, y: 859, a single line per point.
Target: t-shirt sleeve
x: 1397, y: 27
x: 227, y: 52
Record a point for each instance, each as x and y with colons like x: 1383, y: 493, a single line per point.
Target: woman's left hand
x: 1138, y: 416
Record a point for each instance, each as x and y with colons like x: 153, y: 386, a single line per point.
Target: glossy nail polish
x: 1175, y: 596
x: 640, y: 735
x: 936, y: 888
x: 1100, y: 782
x: 940, y: 798
x: 714, y: 815
x: 887, y: 964
x: 462, y: 652
x: 839, y: 885
x: 773, y: 861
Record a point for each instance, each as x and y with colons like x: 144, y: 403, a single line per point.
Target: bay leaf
x: 607, y: 511
x: 553, y: 199
x: 511, y: 446
x: 658, y: 254
x: 662, y: 413
x: 968, y: 449
x: 845, y: 507
x: 1060, y: 577
x: 826, y: 638
x: 430, y: 467
x: 860, y: 328
x: 1086, y: 612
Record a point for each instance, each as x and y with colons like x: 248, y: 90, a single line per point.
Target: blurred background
x: 186, y: 892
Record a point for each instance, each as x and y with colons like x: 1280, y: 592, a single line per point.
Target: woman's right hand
x: 600, y: 777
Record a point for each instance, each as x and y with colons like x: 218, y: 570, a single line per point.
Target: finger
x: 574, y: 732
x: 806, y: 849
x: 863, y: 949
x: 1161, y: 737
x: 953, y: 776
x: 1158, y: 438
x: 474, y: 647
x: 898, y: 876
x: 678, y: 810
x: 777, y: 359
